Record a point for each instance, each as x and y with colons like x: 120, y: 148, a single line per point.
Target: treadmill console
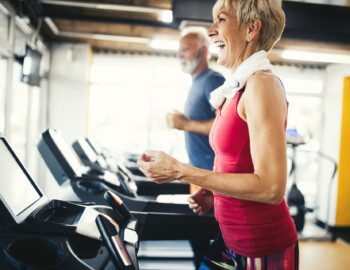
x: 23, y: 203
x: 18, y: 193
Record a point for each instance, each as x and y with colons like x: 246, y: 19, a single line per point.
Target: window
x: 4, y: 24
x: 33, y: 131
x: 304, y: 88
x: 19, y: 112
x: 3, y: 76
x: 130, y: 96
x: 20, y: 42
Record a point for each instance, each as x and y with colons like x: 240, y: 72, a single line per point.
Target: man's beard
x: 189, y: 66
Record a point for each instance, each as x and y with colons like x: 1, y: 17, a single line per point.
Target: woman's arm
x: 264, y: 108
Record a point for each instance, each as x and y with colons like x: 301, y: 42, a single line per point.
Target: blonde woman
x: 247, y: 185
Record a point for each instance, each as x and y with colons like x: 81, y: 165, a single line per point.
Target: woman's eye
x: 221, y: 20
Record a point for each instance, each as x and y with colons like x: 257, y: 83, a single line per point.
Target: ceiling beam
x: 105, y: 6
x: 116, y: 29
x: 161, y: 4
x: 103, y: 19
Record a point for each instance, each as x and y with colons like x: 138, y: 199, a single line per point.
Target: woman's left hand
x: 159, y: 167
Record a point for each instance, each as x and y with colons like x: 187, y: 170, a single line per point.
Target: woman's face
x: 229, y: 38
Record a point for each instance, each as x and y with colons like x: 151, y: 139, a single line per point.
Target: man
x: 199, y: 114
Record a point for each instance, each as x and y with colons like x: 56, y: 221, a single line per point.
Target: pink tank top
x: 249, y: 228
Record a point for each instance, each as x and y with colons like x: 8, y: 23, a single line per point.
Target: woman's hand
x: 201, y: 201
x: 159, y: 167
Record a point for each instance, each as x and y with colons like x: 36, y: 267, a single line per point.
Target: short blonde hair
x: 269, y: 12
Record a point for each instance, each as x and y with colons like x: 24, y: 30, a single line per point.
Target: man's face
x: 189, y: 53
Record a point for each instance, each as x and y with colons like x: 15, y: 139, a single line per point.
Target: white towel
x: 256, y: 62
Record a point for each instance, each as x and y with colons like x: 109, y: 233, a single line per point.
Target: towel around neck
x: 256, y: 62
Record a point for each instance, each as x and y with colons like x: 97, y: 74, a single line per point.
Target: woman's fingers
x: 193, y: 206
x: 198, y: 211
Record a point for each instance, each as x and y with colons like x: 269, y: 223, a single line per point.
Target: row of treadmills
x: 115, y: 219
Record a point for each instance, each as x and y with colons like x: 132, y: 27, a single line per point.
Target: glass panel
x: 19, y: 110
x: 20, y: 42
x: 3, y: 75
x: 16, y: 189
x: 4, y: 26
x: 34, y: 132
x: 128, y: 114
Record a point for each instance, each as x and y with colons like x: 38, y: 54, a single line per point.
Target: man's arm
x: 179, y: 121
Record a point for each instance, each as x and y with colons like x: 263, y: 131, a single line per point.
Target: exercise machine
x: 141, y: 184
x: 157, y: 220
x: 296, y: 199
x: 39, y: 233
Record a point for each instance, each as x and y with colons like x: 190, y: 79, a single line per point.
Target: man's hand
x: 177, y: 120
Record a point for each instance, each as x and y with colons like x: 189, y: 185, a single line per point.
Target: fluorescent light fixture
x: 166, y: 16
x: 52, y: 25
x: 316, y: 57
x: 104, y: 37
x: 165, y: 44
x: 173, y: 45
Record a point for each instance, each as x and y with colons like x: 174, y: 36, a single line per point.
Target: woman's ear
x: 253, y: 30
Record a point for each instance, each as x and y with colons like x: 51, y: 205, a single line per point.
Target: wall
x: 68, y: 95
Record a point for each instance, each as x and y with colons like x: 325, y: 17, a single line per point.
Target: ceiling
x: 131, y: 25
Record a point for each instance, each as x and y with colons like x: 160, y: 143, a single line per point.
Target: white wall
x: 68, y: 94
x: 332, y: 103
x: 67, y: 101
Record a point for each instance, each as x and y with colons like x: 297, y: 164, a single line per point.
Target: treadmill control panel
x: 18, y: 191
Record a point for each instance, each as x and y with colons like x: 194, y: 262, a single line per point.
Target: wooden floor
x: 324, y: 255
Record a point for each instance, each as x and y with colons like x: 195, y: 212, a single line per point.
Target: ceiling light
x: 316, y: 57
x: 115, y: 38
x: 165, y: 44
x: 166, y: 16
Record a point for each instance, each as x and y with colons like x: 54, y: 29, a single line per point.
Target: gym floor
x: 324, y: 255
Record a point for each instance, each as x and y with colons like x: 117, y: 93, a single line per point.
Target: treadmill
x: 158, y: 220
x: 130, y: 161
x: 39, y: 233
x: 142, y: 185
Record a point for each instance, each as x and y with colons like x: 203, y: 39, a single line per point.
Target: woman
x: 247, y: 184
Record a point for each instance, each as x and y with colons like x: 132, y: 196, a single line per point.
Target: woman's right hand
x: 201, y: 201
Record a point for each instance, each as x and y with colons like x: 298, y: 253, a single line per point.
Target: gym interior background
x: 109, y: 70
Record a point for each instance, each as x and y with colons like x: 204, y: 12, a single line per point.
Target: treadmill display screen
x: 67, y: 152
x: 16, y: 190
x: 89, y: 152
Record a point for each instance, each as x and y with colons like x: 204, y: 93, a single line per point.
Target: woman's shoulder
x: 263, y: 78
x: 264, y: 83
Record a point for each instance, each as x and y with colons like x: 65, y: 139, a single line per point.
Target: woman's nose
x: 212, y: 30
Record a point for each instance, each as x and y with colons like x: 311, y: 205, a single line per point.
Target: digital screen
x: 68, y: 153
x: 16, y: 190
x: 31, y: 67
x: 94, y: 144
x: 89, y: 152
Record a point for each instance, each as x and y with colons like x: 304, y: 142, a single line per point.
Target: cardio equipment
x: 37, y: 233
x: 141, y: 184
x: 157, y: 220
x: 296, y: 199
x: 130, y: 159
